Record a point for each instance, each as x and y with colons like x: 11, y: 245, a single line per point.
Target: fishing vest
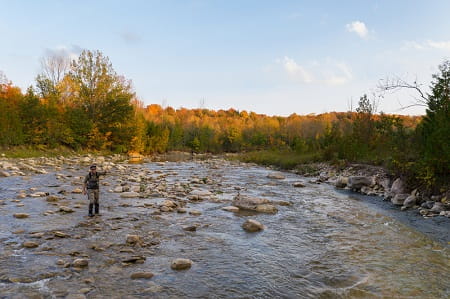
x: 92, y: 181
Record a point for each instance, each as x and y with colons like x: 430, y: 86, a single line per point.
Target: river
x: 325, y: 244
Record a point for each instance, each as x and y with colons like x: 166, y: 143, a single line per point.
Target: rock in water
x: 252, y: 226
x: 145, y: 275
x: 21, y: 215
x: 357, y: 182
x: 181, y: 264
x: 80, y: 263
x: 30, y: 244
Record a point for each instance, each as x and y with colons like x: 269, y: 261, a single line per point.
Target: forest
x: 84, y: 104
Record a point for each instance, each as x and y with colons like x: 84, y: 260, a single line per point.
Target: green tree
x: 105, y: 97
x: 434, y: 130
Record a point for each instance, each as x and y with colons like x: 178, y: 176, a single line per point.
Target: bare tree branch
x: 396, y: 84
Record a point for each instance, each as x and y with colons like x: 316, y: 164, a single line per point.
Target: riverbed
x: 320, y: 244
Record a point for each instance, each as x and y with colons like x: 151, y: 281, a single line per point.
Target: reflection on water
x: 324, y: 245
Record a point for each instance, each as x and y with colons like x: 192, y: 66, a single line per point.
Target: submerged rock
x: 30, y: 244
x: 139, y: 275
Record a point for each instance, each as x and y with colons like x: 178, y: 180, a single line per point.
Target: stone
x: 168, y: 203
x: 299, y: 185
x: 341, y: 182
x: 231, y: 209
x: 118, y: 189
x: 143, y: 275
x: 77, y: 191
x: 398, y: 187
x: 195, y: 212
x: 399, y: 199
x: 52, y: 198
x: 276, y: 176
x: 133, y: 239
x: 251, y: 226
x: 181, y: 264
x: 266, y: 208
x: 200, y: 195
x: 4, y: 174
x: 181, y: 210
x: 248, y: 203
x: 39, y: 194
x: 437, y: 207
x: 21, y: 215
x: 357, y: 182
x: 190, y: 228
x: 30, y: 244
x: 130, y: 194
x: 65, y: 209
x: 428, y: 204
x: 80, y: 263
x: 60, y: 234
x: 410, y: 201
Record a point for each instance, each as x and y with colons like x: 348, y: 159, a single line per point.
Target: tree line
x: 85, y: 104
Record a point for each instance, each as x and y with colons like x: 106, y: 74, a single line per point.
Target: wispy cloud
x: 429, y: 44
x: 339, y: 73
x: 359, y: 28
x: 329, y: 72
x: 295, y: 70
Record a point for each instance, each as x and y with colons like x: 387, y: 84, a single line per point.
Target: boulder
x: 251, y: 226
x: 399, y: 199
x: 276, y: 176
x: 248, y: 203
x: 231, y: 209
x: 398, y: 187
x: 181, y: 264
x: 133, y: 239
x: 200, y: 195
x: 4, y: 174
x: 80, y: 263
x: 410, y: 201
x: 266, y: 208
x: 21, y: 215
x: 65, y: 209
x: 141, y: 275
x: 30, y: 244
x: 357, y: 182
x: 341, y: 182
x: 299, y: 185
x: 168, y: 203
x: 437, y: 207
x: 129, y: 194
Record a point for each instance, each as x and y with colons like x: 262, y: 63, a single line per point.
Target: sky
x: 269, y: 57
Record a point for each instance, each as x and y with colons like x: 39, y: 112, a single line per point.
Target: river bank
x: 312, y: 241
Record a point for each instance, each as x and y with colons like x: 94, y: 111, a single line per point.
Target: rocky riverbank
x: 376, y: 181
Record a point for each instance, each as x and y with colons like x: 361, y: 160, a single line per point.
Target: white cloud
x: 429, y: 44
x: 329, y: 72
x: 358, y: 28
x: 441, y: 45
x: 338, y: 74
x: 296, y: 70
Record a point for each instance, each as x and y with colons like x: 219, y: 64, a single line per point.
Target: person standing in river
x: 91, y: 187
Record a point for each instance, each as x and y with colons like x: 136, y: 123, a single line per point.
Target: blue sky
x: 271, y: 57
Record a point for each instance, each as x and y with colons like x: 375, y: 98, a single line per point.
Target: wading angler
x: 91, y: 188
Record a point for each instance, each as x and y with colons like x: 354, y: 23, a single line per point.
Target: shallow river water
x: 326, y: 244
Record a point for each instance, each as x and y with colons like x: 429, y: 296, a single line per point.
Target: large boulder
x: 357, y: 182
x: 399, y: 199
x: 181, y: 264
x: 341, y: 182
x: 398, y: 187
x: 251, y: 226
x: 266, y: 208
x: 248, y: 203
x: 410, y: 201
